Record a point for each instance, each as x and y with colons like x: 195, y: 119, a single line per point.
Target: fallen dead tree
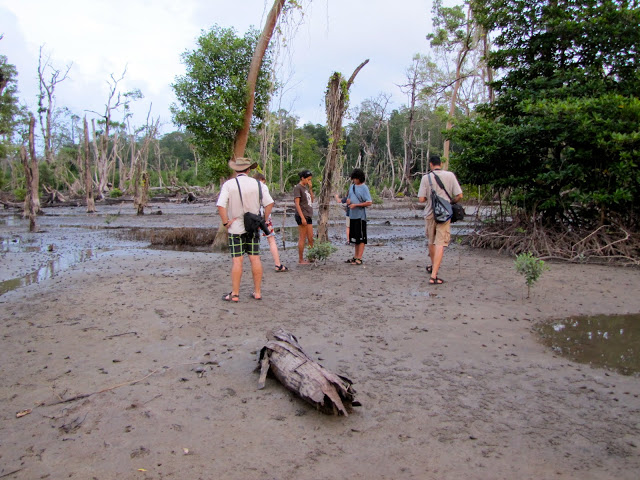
x: 328, y: 392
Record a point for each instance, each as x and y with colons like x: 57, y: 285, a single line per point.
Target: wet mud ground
x: 130, y: 365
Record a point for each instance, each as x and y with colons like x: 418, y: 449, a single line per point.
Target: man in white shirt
x: 237, y: 196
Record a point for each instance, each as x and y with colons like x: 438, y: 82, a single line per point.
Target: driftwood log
x: 328, y: 392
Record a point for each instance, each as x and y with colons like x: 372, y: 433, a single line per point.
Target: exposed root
x: 611, y: 244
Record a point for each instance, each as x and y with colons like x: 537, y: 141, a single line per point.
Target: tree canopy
x: 212, y: 94
x: 9, y: 108
x: 562, y: 137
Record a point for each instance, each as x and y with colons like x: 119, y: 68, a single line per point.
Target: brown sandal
x: 435, y: 281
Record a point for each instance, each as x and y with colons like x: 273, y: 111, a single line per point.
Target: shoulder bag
x: 457, y: 210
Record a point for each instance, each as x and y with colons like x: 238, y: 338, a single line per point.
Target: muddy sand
x: 126, y: 364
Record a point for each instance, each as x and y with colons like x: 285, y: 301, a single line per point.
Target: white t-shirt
x: 230, y: 199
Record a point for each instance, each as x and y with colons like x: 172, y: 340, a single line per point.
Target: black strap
x: 356, y: 193
x: 439, y: 182
x: 240, y: 192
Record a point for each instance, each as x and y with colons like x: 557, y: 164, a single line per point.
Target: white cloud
x: 147, y: 37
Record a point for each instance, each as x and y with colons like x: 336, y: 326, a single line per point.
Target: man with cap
x: 232, y: 207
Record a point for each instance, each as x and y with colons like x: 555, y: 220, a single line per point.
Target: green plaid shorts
x: 244, y: 243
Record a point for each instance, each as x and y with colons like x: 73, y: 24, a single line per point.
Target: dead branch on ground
x: 328, y: 392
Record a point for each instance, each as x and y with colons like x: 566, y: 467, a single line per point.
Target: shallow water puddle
x: 609, y: 341
x: 62, y: 262
x: 15, y: 245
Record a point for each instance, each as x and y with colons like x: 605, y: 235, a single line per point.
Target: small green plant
x: 111, y: 218
x: 115, y: 193
x: 20, y: 194
x: 530, y: 267
x: 320, y: 252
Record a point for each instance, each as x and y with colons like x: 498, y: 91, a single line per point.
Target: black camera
x: 264, y: 227
x: 253, y: 223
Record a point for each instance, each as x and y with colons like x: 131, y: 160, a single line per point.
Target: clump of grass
x: 176, y: 237
x: 320, y: 252
x: 531, y: 268
x: 110, y: 218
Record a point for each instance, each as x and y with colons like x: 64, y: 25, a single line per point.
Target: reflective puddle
x: 611, y: 342
x: 62, y: 262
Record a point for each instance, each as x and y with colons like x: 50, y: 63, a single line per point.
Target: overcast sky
x: 147, y: 37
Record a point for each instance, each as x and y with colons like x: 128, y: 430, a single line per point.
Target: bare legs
x: 273, y: 247
x: 436, y: 252
x: 236, y: 274
x: 305, y: 235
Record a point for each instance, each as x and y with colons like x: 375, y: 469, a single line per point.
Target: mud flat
x: 127, y: 363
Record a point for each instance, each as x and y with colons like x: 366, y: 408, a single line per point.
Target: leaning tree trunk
x: 242, y: 136
x: 32, y: 177
x: 88, y: 181
x: 336, y: 105
x: 254, y: 69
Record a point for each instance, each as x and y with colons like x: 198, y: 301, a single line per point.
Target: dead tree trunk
x: 462, y: 55
x: 141, y: 176
x: 88, y: 181
x: 47, y: 90
x: 32, y: 177
x: 336, y: 105
x: 328, y: 392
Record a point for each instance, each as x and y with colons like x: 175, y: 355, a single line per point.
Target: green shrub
x: 115, y: 193
x: 20, y: 194
x: 320, y: 252
x: 530, y: 267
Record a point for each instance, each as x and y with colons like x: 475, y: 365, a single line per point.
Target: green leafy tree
x: 9, y: 110
x: 212, y: 94
x: 562, y: 136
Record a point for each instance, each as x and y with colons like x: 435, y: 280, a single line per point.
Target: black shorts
x: 358, y: 231
x: 299, y: 220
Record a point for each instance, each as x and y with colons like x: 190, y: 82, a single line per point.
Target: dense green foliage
x: 9, y: 109
x: 212, y: 94
x: 562, y: 138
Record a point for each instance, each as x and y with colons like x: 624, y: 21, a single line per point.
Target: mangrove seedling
x: 530, y: 268
x: 320, y: 252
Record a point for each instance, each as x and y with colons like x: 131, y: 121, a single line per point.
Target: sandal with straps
x: 357, y: 261
x: 435, y: 281
x: 231, y: 297
x: 281, y: 268
x: 351, y: 261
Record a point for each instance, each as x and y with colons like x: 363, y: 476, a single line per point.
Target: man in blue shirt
x: 358, y: 199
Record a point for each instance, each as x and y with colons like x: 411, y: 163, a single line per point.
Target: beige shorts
x: 438, y: 233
